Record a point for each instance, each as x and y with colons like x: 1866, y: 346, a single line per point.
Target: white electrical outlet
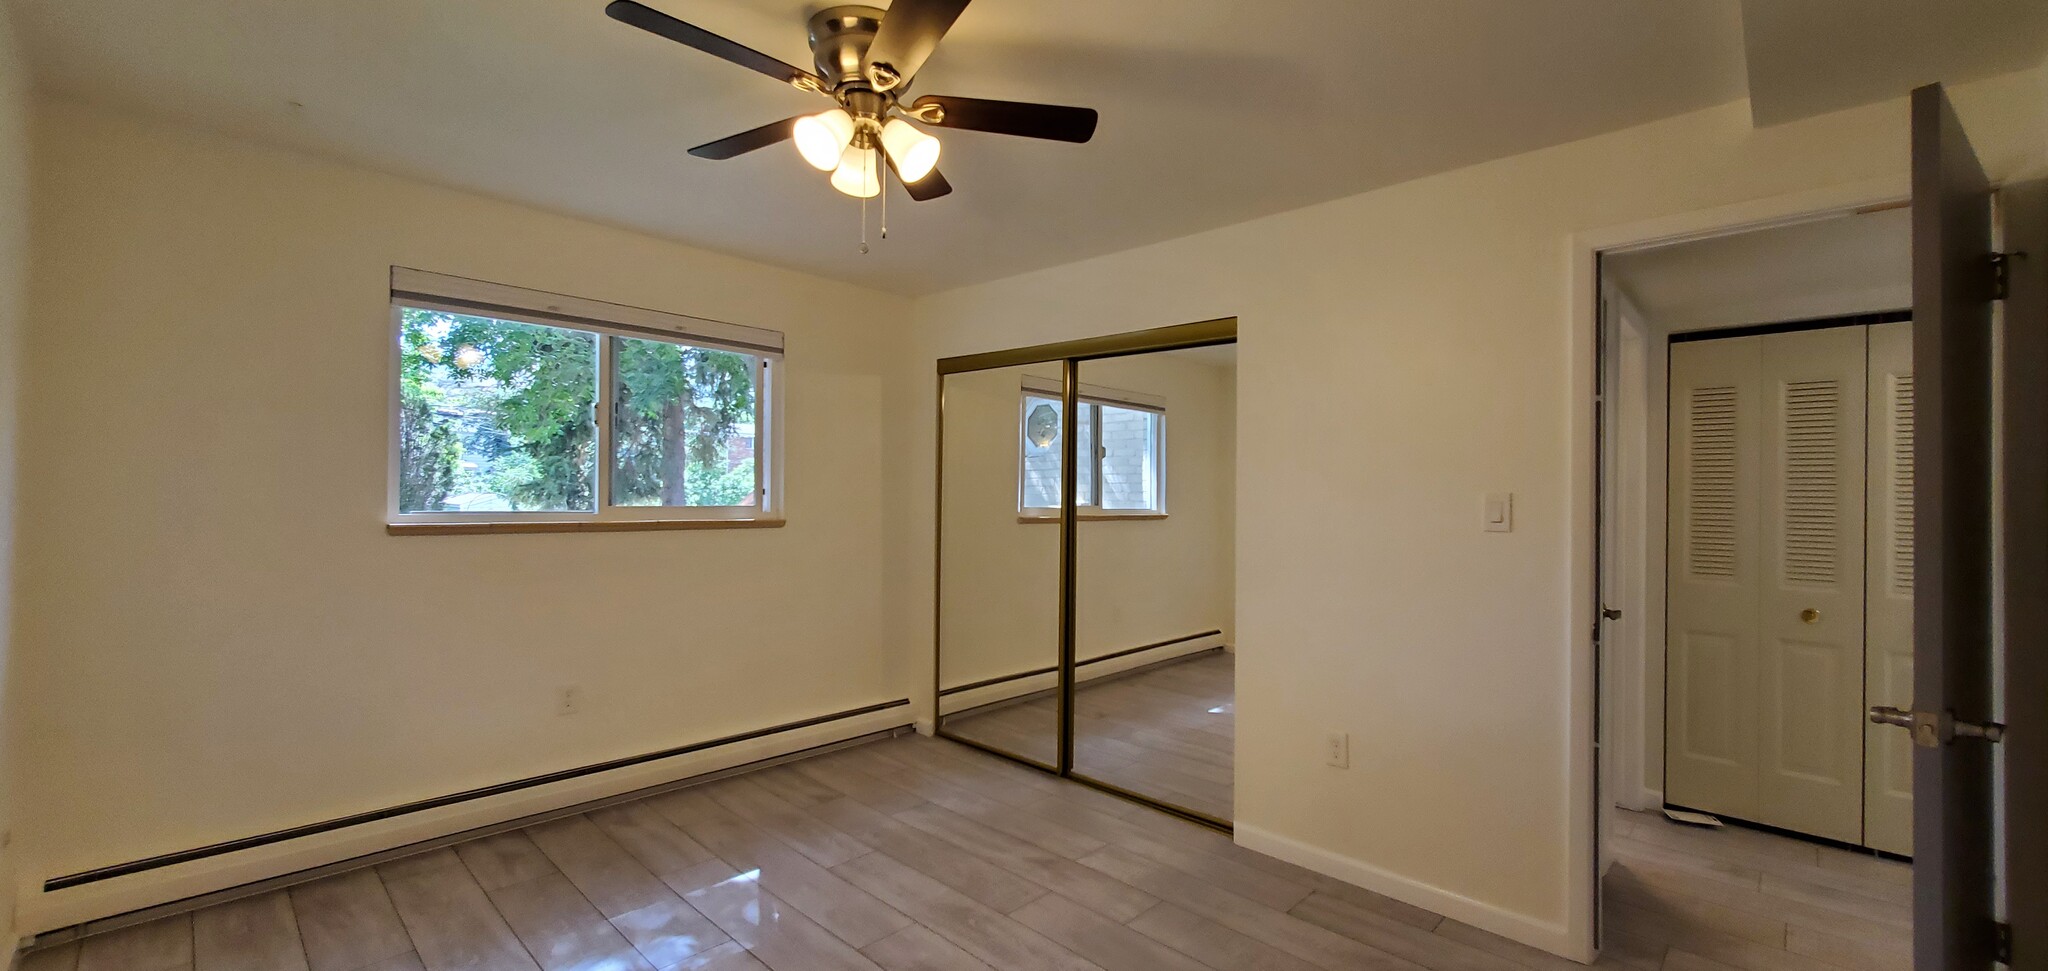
x: 568, y: 698
x: 1337, y: 750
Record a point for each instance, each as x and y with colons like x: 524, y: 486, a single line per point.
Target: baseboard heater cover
x: 375, y: 815
x: 1111, y: 656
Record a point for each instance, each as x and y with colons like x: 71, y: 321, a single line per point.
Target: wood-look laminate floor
x: 918, y: 854
x: 1167, y: 731
x: 1681, y: 898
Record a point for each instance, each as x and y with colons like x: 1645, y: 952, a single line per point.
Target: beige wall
x: 1139, y: 581
x: 1403, y: 353
x: 220, y: 638
x: 14, y: 208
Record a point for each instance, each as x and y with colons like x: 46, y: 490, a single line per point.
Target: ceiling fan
x: 866, y: 58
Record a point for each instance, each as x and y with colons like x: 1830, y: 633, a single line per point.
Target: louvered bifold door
x: 1714, y: 557
x: 1888, y: 600
x: 1810, y: 605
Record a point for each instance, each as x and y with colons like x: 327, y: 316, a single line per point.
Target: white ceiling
x: 1213, y: 111
x: 1809, y: 57
x: 1215, y: 355
x: 1823, y: 268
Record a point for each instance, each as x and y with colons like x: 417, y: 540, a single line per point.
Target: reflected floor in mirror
x: 1027, y: 727
x: 1165, y: 730
x: 1683, y: 897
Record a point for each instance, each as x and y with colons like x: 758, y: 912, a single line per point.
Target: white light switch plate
x: 1337, y: 750
x: 1499, y: 512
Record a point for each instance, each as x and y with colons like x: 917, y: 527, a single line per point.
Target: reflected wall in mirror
x: 1155, y: 583
x: 999, y: 572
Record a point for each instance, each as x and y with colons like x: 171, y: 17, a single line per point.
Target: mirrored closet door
x: 1086, y: 569
x: 1154, y: 584
x: 999, y: 570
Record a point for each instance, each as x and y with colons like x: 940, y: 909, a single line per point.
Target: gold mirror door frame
x: 1068, y: 355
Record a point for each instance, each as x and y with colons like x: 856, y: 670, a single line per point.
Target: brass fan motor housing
x: 839, y: 43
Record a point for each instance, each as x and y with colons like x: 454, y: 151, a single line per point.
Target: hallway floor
x: 1681, y: 898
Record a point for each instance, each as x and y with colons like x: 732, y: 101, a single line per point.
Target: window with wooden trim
x: 1120, y: 440
x: 519, y: 406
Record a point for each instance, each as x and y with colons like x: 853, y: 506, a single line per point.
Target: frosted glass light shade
x: 856, y: 175
x: 914, y: 152
x: 823, y: 137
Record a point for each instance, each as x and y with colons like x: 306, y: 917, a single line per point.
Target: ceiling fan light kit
x: 822, y: 138
x: 866, y: 59
x: 856, y: 175
x: 914, y: 152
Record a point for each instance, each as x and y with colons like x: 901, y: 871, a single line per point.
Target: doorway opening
x: 1755, y: 427
x: 1975, y: 889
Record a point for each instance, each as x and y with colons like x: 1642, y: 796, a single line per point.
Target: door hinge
x: 2001, y: 273
x: 2002, y: 945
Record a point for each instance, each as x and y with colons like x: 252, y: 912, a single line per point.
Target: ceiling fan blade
x: 910, y: 30
x: 932, y: 186
x: 655, y: 22
x: 1057, y: 122
x: 747, y: 141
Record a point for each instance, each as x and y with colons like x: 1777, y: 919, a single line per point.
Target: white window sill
x: 1087, y: 517
x: 574, y: 526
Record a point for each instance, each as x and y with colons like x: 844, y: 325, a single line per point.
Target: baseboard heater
x: 1113, y: 655
x: 342, y: 822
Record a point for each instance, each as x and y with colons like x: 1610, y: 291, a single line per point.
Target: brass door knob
x: 1810, y: 616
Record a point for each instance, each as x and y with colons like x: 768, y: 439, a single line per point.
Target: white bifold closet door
x: 1765, y: 642
x: 1712, y: 674
x: 1888, y: 677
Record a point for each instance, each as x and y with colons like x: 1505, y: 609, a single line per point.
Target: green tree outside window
x: 497, y: 414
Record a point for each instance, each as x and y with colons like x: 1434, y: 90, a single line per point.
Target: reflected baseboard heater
x: 1113, y: 655
x: 342, y: 822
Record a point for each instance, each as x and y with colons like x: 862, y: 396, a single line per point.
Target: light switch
x: 1500, y: 512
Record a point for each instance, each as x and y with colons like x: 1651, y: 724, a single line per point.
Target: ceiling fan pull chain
x: 882, y: 180
x: 863, y: 226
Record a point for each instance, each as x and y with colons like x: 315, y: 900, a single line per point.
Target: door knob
x: 1926, y: 728
x: 1988, y: 731
x: 1810, y: 616
x: 1930, y: 730
x: 1887, y: 715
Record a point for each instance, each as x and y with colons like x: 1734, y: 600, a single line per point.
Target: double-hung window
x: 1120, y: 438
x: 516, y: 406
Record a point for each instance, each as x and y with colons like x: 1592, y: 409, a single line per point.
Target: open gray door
x: 2024, y: 420
x: 1955, y: 926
